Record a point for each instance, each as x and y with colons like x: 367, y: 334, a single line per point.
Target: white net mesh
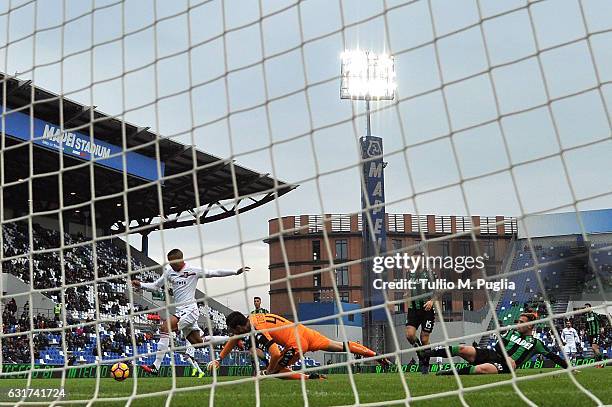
x: 500, y: 115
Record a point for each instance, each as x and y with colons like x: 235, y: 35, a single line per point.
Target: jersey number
x: 273, y: 320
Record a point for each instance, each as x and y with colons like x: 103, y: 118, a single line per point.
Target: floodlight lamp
x: 366, y: 75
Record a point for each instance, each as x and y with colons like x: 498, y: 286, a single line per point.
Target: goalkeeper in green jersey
x: 520, y: 346
x: 421, y: 313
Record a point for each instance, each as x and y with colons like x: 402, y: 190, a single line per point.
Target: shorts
x: 569, y: 348
x: 422, y: 318
x: 261, y: 342
x: 490, y: 356
x: 310, y: 341
x: 593, y: 339
x: 188, y: 320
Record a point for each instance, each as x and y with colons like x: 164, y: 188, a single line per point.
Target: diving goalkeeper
x: 520, y: 346
x: 296, y: 339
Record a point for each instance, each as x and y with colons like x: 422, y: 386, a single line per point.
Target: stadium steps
x: 505, y: 268
x: 572, y: 278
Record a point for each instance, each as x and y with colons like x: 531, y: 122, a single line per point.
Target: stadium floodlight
x: 367, y: 76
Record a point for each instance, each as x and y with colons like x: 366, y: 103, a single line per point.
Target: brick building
x: 312, y: 260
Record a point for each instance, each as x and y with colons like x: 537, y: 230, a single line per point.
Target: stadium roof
x: 210, y: 196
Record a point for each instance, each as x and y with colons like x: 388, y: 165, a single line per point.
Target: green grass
x: 542, y: 390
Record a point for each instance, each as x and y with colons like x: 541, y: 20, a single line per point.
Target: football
x: 120, y: 371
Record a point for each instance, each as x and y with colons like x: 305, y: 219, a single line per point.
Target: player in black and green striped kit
x: 593, y: 324
x: 520, y: 346
x: 420, y: 313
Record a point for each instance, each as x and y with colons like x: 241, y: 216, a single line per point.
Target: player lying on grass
x: 280, y: 331
x: 519, y: 343
x: 184, y: 280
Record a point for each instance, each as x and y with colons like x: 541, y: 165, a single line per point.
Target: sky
x: 474, y: 128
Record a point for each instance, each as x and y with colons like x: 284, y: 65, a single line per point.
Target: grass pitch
x: 557, y: 390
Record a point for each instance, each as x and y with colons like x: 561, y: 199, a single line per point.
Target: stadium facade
x: 311, y: 263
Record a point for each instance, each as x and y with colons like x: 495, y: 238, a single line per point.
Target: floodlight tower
x: 368, y: 76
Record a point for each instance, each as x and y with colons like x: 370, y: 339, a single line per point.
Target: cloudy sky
x: 474, y: 130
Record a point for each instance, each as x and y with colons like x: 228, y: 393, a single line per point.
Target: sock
x: 441, y: 351
x: 467, y: 370
x: 162, y: 347
x: 359, y: 349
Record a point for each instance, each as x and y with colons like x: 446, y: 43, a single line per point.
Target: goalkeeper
x: 295, y: 339
x: 520, y: 346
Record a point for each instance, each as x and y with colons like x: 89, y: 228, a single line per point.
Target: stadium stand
x: 568, y: 268
x: 111, y: 259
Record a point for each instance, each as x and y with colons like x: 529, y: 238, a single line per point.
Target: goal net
x: 243, y: 134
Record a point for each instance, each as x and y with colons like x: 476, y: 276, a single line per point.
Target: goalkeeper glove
x: 212, y: 365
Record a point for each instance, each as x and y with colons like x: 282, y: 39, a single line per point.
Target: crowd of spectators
x: 80, y: 261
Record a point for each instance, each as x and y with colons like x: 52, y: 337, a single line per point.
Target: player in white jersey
x: 184, y: 280
x: 570, y: 339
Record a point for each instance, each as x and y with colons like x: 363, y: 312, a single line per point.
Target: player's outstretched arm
x: 154, y: 286
x: 223, y: 273
x: 542, y: 349
x: 231, y: 344
x: 275, y: 355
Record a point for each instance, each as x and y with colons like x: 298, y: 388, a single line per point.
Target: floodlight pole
x: 367, y: 115
x: 374, y: 233
x: 372, y: 245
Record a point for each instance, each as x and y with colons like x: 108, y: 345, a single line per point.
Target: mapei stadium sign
x: 78, y: 145
x: 374, y: 199
x: 373, y: 204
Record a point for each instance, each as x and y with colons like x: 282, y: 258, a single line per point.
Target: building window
x: 398, y: 307
x: 443, y: 224
x: 417, y: 245
x: 316, y: 278
x: 488, y: 248
x: 447, y: 302
x: 465, y: 248
x: 316, y: 250
x: 397, y: 245
x: 445, y: 248
x: 341, y: 249
x: 316, y: 297
x: 468, y: 302
x: 342, y: 276
x: 344, y: 296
